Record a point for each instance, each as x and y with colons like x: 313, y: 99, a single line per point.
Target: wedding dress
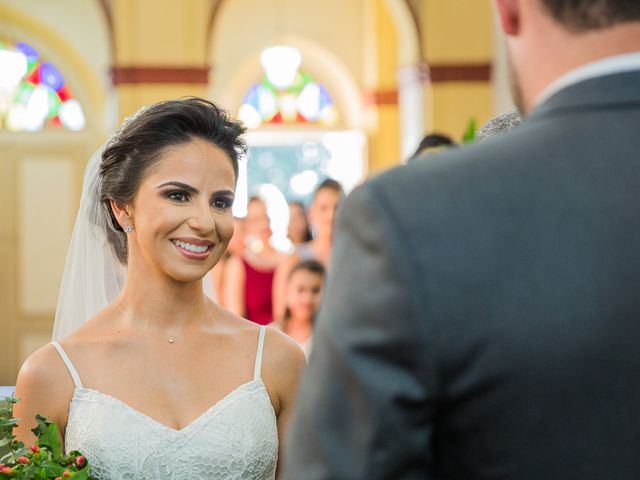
x: 236, y: 438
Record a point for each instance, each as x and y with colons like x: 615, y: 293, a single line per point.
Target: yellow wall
x: 458, y: 33
x: 159, y: 33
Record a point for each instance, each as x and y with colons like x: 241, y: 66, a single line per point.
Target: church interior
x: 334, y: 88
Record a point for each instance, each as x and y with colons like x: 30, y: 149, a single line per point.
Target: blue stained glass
x: 29, y: 52
x: 325, y: 97
x: 50, y: 76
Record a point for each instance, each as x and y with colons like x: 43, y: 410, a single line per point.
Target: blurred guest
x: 322, y: 211
x: 500, y: 124
x: 298, y: 231
x: 303, y: 295
x: 432, y: 143
x: 249, y: 276
x: 236, y: 247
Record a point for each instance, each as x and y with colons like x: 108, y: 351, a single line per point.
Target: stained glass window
x: 33, y: 93
x: 286, y: 94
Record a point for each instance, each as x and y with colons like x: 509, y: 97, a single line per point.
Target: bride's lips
x: 193, y: 248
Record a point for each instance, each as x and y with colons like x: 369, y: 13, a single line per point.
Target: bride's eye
x: 222, y: 202
x: 177, y: 196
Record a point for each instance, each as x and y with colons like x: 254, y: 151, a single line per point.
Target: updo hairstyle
x: 143, y: 137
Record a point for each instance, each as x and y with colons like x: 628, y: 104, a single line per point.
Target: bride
x: 160, y: 382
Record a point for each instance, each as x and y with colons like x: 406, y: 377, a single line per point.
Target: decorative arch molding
x: 407, y: 32
x: 404, y: 17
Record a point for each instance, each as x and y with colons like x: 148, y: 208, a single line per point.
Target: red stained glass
x: 64, y: 94
x: 33, y: 76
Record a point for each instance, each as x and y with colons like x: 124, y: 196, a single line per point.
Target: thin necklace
x: 171, y: 339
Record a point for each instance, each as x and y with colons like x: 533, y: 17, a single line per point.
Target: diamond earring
x: 128, y: 228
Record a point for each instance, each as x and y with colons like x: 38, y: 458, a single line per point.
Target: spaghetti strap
x: 258, y: 368
x: 67, y: 362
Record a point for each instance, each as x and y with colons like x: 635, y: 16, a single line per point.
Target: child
x: 303, y: 295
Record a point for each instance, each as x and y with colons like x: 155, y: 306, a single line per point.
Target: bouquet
x: 42, y: 461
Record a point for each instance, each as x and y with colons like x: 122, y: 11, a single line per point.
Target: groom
x: 483, y: 314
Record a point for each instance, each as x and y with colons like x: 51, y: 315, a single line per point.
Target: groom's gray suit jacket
x: 482, y: 319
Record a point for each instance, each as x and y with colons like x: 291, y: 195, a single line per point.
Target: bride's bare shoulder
x: 44, y: 386
x: 44, y: 369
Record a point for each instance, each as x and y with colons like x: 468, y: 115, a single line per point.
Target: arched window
x: 286, y: 94
x: 33, y: 93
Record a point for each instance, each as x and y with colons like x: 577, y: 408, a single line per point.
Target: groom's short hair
x: 583, y: 15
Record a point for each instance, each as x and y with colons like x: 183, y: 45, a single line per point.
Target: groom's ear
x: 509, y: 16
x: 122, y: 212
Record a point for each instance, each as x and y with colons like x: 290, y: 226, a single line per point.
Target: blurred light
x: 17, y: 118
x: 278, y: 211
x: 310, y: 149
x: 347, y: 153
x: 13, y: 66
x: 267, y: 103
x: 288, y: 108
x: 266, y: 160
x: 304, y: 183
x: 277, y: 177
x: 30, y: 52
x: 280, y: 64
x: 50, y: 76
x: 71, y: 115
x: 37, y: 109
x: 309, y: 102
x: 241, y: 198
x: 249, y: 116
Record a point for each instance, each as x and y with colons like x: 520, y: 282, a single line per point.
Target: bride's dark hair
x: 142, y: 138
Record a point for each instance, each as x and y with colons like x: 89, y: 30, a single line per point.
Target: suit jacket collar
x: 607, y: 91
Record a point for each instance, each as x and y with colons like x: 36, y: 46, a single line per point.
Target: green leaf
x: 470, y: 132
x: 42, y: 426
x: 81, y: 474
x: 22, y: 451
x: 51, y: 438
x: 42, y: 475
x: 53, y: 469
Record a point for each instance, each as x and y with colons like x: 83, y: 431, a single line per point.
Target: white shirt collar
x: 616, y: 64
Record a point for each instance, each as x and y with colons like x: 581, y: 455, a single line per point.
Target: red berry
x: 23, y: 460
x: 35, y: 448
x: 6, y: 470
x: 1, y: 466
x: 66, y: 474
x: 57, y: 478
x: 80, y: 461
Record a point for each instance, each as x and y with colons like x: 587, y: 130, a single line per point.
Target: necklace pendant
x: 171, y: 340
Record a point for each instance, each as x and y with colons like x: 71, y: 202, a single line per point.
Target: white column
x: 411, y: 108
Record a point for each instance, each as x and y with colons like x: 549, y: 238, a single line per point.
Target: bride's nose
x: 202, y: 218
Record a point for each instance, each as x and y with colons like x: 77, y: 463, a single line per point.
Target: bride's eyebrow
x: 181, y: 185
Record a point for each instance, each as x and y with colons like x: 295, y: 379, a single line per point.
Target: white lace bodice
x: 236, y: 438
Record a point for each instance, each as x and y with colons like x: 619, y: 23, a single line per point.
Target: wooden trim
x: 480, y: 72
x: 160, y: 74
x: 382, y: 97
